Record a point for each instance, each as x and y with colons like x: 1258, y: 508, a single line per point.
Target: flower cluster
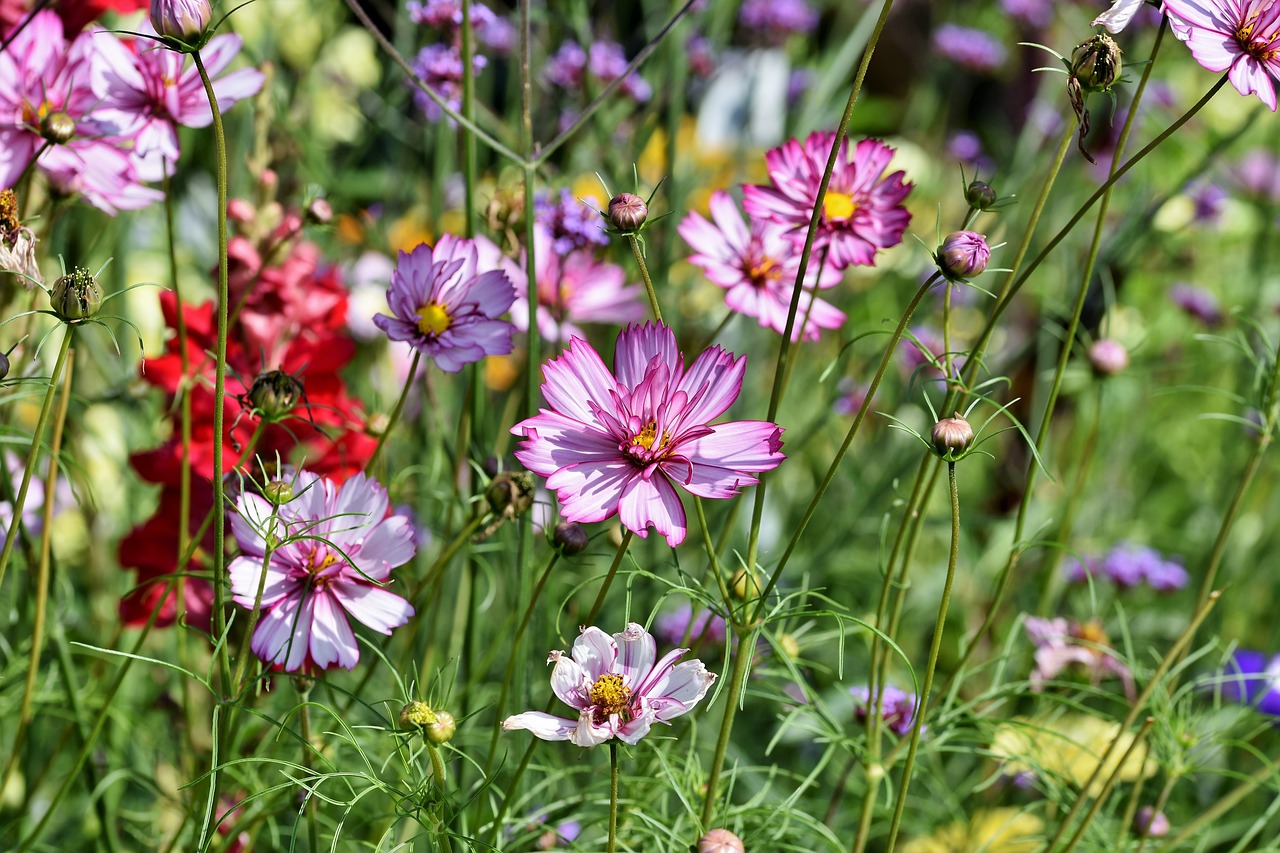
x: 1128, y: 565
x: 98, y: 114
x: 328, y: 554
x: 1061, y: 644
x: 619, y: 688
x: 618, y: 443
x: 570, y: 223
x: 604, y: 61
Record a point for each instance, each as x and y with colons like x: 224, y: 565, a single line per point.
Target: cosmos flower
x: 618, y: 687
x: 146, y: 91
x: 862, y: 211
x: 757, y: 268
x: 445, y: 307
x: 897, y: 707
x: 1237, y: 36
x: 619, y: 443
x: 1061, y: 644
x: 337, y: 550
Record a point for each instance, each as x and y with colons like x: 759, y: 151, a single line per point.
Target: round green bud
x: 76, y: 296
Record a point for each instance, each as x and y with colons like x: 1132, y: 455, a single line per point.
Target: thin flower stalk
x: 1221, y: 806
x: 42, y: 573
x: 33, y: 455
x: 242, y: 660
x: 613, y: 796
x: 395, y: 413
x: 742, y: 655
x: 931, y: 667
x: 437, y: 771
x: 634, y: 243
x: 1112, y: 778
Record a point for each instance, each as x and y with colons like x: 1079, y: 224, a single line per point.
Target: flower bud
x: 1150, y: 823
x: 58, y: 127
x: 570, y: 538
x: 76, y: 296
x: 4, y: 365
x: 745, y: 585
x: 417, y: 715
x: 510, y: 493
x: 184, y: 20
x: 274, y: 394
x: 952, y: 436
x: 1096, y: 63
x: 442, y: 728
x: 720, y: 841
x: 627, y: 212
x: 278, y: 492
x: 1108, y: 357
x: 963, y: 255
x: 319, y: 212
x: 980, y: 195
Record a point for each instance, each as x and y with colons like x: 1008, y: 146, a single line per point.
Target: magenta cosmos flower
x: 445, y: 307
x: 862, y: 211
x: 338, y: 550
x: 145, y: 90
x: 1238, y: 36
x: 758, y: 267
x: 618, y: 443
x: 618, y: 687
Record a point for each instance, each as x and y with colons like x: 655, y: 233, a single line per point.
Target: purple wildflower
x: 704, y: 627
x: 439, y: 66
x: 619, y: 443
x: 1258, y: 174
x: 1037, y: 14
x: 338, y: 549
x: 1208, y: 199
x: 1061, y: 644
x: 606, y: 62
x: 1197, y: 302
x: 774, y: 21
x: 618, y: 687
x: 1253, y: 678
x: 974, y: 50
x: 898, y: 708
x: 571, y: 223
x: 853, y: 396
x: 445, y: 307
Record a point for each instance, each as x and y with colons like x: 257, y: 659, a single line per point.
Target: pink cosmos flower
x: 619, y: 443
x: 1242, y: 36
x: 758, y: 269
x: 1061, y: 644
x: 862, y: 211
x: 338, y: 550
x: 145, y: 90
x: 446, y: 307
x: 573, y: 287
x: 617, y: 688
x: 45, y: 95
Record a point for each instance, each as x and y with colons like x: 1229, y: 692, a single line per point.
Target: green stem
x: 308, y: 761
x: 613, y: 796
x: 1219, y: 808
x: 1109, y: 785
x: 939, y: 628
x: 242, y: 660
x: 395, y: 413
x: 437, y: 770
x: 42, y: 575
x: 634, y: 242
x: 33, y: 455
x: 742, y: 654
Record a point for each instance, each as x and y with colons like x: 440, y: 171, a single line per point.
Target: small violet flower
x: 618, y: 444
x: 618, y: 687
x: 975, y: 50
x: 333, y: 549
x: 184, y: 20
x: 439, y: 66
x: 1237, y: 36
x: 1197, y: 302
x: 1253, y: 678
x: 445, y: 307
x: 897, y: 707
x: 862, y: 211
x: 757, y: 267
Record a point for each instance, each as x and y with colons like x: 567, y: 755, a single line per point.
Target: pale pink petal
x: 542, y: 725
x: 596, y: 652
x: 332, y: 641
x: 591, y: 491
x: 636, y: 653
x: 569, y: 681
x: 588, y: 733
x: 387, y: 545
x: 652, y: 502
x: 681, y: 689
x: 246, y: 574
x: 558, y: 441
x: 373, y: 606
x: 637, y: 346
x: 250, y: 521
x: 712, y: 383
x: 574, y: 379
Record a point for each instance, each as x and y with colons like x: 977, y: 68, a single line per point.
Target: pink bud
x: 720, y: 841
x: 963, y: 255
x: 1108, y: 357
x: 184, y: 20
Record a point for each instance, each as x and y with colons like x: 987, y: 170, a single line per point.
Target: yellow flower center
x: 646, y: 436
x: 433, y: 319
x: 767, y: 269
x: 838, y: 206
x: 610, y: 695
x: 325, y: 562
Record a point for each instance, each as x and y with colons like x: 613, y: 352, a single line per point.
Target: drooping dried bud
x: 274, y: 394
x: 58, y: 127
x: 278, y: 492
x: 1108, y: 357
x: 1150, y: 823
x: 720, y: 841
x: 952, y: 436
x: 183, y: 20
x: 76, y: 296
x: 1096, y: 63
x: 627, y: 212
x: 442, y: 728
x: 963, y: 255
x: 510, y: 493
x: 980, y: 195
x: 570, y: 538
x: 745, y: 585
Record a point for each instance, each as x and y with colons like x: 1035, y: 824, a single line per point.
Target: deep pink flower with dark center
x: 145, y: 89
x: 758, y: 267
x: 862, y: 211
x: 338, y: 550
x: 619, y: 443
x: 1238, y: 36
x: 619, y: 688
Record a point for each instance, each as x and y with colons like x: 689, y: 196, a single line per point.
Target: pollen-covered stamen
x: 610, y: 696
x: 319, y: 561
x: 838, y: 207
x: 1259, y: 45
x: 433, y: 319
x: 764, y: 271
x: 645, y: 445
